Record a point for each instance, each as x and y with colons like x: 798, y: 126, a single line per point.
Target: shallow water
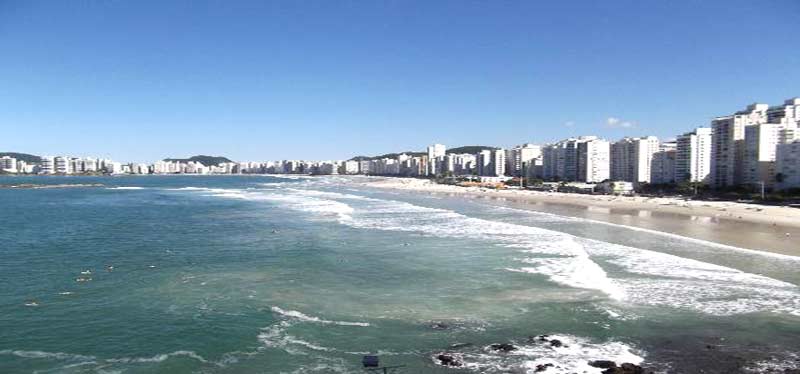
x: 226, y: 274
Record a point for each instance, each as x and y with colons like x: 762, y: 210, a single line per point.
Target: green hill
x: 472, y: 149
x: 205, y: 160
x: 31, y: 159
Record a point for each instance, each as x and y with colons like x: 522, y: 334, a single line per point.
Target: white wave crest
x: 304, y: 317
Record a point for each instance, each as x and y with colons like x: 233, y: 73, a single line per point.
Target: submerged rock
x: 556, y: 343
x: 603, y: 364
x: 542, y: 367
x: 503, y: 347
x: 439, y: 326
x: 449, y: 359
x: 612, y: 368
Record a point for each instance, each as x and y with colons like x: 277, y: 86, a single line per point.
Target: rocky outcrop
x: 612, y: 368
x: 503, y: 347
x: 448, y: 359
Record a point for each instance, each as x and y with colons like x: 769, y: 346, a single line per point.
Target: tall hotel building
x: 693, y: 157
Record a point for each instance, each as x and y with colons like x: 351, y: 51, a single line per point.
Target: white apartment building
x: 760, y: 146
x: 662, y: 168
x: 693, y: 157
x: 787, y: 114
x: 727, y: 144
x: 631, y: 159
x: 61, y: 165
x: 350, y: 167
x: 787, y: 164
x: 491, y: 163
x: 435, y: 153
x: 519, y: 155
x: 47, y: 165
x: 593, y: 160
x: 8, y: 164
x: 560, y: 160
x: 460, y: 164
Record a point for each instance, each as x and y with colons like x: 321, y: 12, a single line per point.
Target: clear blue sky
x: 144, y: 80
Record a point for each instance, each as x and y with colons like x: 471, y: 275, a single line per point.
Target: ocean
x: 295, y: 274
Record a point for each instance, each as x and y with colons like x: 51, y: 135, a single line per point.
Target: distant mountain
x: 31, y: 159
x: 472, y: 149
x: 388, y: 155
x: 205, y: 160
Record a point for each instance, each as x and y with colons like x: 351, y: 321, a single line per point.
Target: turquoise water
x: 259, y: 274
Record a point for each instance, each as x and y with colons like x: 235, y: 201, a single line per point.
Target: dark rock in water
x: 439, y: 326
x: 505, y: 347
x: 603, y: 364
x: 460, y: 345
x: 556, y: 343
x: 626, y: 368
x: 542, y: 367
x: 447, y: 359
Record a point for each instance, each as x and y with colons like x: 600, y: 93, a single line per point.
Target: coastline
x: 771, y: 229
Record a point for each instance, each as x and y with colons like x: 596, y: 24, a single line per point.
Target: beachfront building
x: 662, y: 168
x: 519, y: 155
x: 560, y: 160
x: 631, y: 158
x: 350, y: 167
x: 760, y: 146
x: 463, y: 163
x: 47, y: 165
x: 693, y: 156
x: 786, y: 114
x: 787, y: 165
x: 61, y: 165
x: 593, y: 160
x: 491, y: 163
x: 553, y: 160
x: 8, y: 164
x: 436, y: 153
x: 727, y: 144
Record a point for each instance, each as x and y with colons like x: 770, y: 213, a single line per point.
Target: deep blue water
x: 230, y: 274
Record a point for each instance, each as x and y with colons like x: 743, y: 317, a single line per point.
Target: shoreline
x: 743, y: 226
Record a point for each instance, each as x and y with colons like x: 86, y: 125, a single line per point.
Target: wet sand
x: 747, y: 226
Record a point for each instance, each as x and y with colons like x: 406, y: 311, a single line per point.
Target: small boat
x: 86, y: 272
x: 32, y: 303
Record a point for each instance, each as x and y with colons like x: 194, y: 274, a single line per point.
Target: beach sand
x: 767, y: 228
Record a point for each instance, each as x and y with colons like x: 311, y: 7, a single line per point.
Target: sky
x: 266, y: 80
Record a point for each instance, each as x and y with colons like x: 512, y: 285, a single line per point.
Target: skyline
x: 315, y: 81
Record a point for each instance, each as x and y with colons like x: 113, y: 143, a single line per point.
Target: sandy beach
x: 749, y: 226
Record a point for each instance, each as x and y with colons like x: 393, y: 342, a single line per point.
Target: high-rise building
x: 62, y: 165
x: 727, y: 144
x: 553, y: 160
x: 435, y: 153
x: 662, y: 168
x: 787, y: 164
x: 693, y: 157
x: 8, y: 164
x: 631, y: 159
x: 593, y: 160
x: 491, y: 163
x: 47, y: 165
x: 560, y: 160
x: 519, y: 155
x: 760, y: 146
